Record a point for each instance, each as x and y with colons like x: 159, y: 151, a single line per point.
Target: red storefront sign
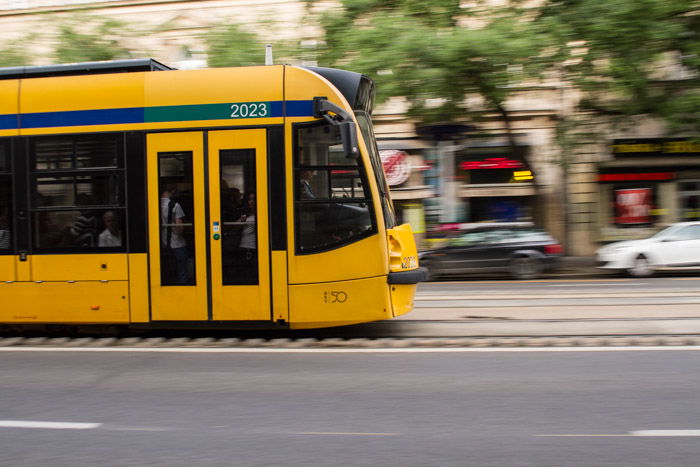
x: 636, y: 177
x: 633, y: 206
x: 492, y: 163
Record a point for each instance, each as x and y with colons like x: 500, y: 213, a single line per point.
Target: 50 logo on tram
x: 335, y: 296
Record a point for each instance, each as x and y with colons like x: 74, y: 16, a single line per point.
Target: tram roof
x: 85, y: 68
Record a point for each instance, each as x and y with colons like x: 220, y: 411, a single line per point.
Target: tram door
x: 208, y: 226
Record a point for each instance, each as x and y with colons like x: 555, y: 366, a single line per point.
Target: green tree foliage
x: 631, y: 57
x: 230, y: 45
x: 431, y: 53
x: 84, y: 39
x: 628, y: 57
x: 12, y: 55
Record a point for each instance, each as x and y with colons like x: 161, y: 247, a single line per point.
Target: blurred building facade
x: 619, y: 185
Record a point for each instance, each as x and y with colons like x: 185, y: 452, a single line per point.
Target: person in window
x: 231, y: 211
x: 248, y: 246
x: 172, y: 240
x: 84, y: 227
x: 49, y: 234
x: 305, y: 190
x: 111, y: 236
x: 231, y: 203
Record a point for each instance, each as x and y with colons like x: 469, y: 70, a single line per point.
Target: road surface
x: 473, y: 407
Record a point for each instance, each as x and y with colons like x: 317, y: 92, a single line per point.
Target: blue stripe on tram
x: 9, y: 122
x: 82, y: 118
x: 128, y: 115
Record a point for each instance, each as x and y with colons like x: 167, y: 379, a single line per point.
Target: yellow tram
x: 131, y: 193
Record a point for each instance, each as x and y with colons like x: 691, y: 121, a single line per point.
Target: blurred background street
x: 518, y: 138
x: 579, y: 117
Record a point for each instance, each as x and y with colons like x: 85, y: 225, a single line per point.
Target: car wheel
x: 524, y: 267
x: 641, y: 267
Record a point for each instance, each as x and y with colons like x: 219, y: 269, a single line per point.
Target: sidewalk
x: 484, y: 315
x: 579, y: 265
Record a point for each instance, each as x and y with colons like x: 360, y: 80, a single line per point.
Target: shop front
x: 459, y: 180
x: 496, y: 183
x: 649, y: 184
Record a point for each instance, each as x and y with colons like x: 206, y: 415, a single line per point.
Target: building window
x: 689, y: 198
x: 78, y: 199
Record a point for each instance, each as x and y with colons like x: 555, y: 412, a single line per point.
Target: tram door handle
x: 23, y: 255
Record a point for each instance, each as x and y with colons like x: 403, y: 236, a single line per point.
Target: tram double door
x: 208, y: 226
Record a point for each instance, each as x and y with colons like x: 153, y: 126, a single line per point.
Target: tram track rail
x: 337, y: 343
x: 387, y: 334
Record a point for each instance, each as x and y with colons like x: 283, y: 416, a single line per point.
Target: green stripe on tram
x: 182, y: 113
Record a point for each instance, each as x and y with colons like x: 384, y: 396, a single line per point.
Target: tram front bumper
x: 413, y: 276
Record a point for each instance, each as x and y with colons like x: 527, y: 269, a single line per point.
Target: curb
x: 362, y: 343
x: 579, y: 265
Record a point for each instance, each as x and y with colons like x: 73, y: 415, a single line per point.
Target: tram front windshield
x: 333, y: 204
x: 365, y: 122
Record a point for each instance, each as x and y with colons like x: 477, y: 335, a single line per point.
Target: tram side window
x: 78, y: 200
x: 333, y: 205
x: 176, y: 205
x: 5, y: 199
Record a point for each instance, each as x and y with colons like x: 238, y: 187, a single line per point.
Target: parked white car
x: 677, y: 247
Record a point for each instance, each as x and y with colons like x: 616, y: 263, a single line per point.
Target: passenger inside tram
x: 111, y: 236
x: 248, y: 248
x: 174, y: 245
x: 84, y: 228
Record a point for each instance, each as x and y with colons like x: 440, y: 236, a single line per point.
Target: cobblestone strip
x: 379, y: 343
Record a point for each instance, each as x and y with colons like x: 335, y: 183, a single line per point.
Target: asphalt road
x: 401, y: 408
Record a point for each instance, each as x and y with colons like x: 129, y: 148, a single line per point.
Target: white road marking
x: 583, y: 435
x: 665, y: 433
x: 520, y: 295
x: 595, y: 285
x: 48, y: 425
x: 346, y: 350
x: 530, y: 281
x: 340, y: 433
x: 630, y: 434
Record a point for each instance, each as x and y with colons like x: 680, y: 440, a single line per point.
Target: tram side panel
x: 67, y: 276
x: 238, y: 286
x: 335, y: 277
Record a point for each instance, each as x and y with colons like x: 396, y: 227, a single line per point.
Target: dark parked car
x: 519, y: 249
